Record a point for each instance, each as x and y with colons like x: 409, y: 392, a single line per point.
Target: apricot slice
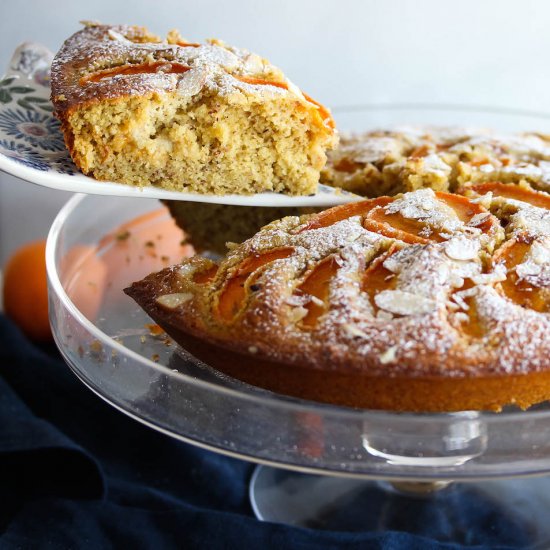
x: 479, y: 162
x: 513, y: 191
x: 338, y: 213
x: 347, y: 166
x: 261, y: 81
x: 188, y: 44
x: 233, y: 295
x: 324, y: 113
x: 519, y: 290
x: 410, y: 230
x: 466, y: 209
x: 168, y: 67
x: 420, y: 152
x: 472, y: 327
x: 377, y: 278
x: 317, y: 284
x: 206, y: 275
x: 396, y: 226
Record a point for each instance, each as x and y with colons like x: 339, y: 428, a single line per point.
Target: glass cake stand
x: 321, y: 466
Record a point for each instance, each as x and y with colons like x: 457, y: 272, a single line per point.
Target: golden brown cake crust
x: 423, y: 288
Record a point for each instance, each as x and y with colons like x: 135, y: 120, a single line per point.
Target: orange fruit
x: 26, y: 290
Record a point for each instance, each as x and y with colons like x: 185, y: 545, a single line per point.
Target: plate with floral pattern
x: 32, y: 146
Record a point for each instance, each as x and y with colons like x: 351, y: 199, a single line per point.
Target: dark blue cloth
x: 76, y: 473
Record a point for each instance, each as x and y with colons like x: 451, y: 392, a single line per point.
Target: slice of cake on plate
x: 203, y: 118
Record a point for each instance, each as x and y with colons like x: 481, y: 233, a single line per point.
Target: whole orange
x: 26, y: 291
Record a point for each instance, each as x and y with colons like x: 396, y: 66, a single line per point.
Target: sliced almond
x: 354, y: 331
x: 389, y: 356
x: 317, y: 301
x: 297, y: 314
x: 462, y: 249
x: 186, y: 270
x: 404, y: 303
x: 172, y: 301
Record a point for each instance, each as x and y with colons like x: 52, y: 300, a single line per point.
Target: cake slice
x: 204, y: 118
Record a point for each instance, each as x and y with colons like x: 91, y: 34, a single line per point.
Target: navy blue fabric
x: 76, y: 473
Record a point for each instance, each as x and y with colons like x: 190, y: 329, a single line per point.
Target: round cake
x: 424, y: 301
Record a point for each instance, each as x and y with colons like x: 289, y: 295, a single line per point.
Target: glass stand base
x: 511, y: 512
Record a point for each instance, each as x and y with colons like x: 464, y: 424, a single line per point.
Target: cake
x: 386, y: 162
x: 209, y: 227
x: 204, y: 118
x: 424, y: 301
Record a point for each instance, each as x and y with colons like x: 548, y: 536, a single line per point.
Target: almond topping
x: 404, y: 303
x: 461, y: 248
x: 172, y: 301
x: 388, y: 356
x: 297, y: 314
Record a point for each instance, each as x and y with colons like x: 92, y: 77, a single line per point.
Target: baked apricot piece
x: 513, y: 191
x: 233, y: 295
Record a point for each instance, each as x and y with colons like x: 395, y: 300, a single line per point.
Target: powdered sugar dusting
x: 213, y: 66
x: 535, y: 221
x: 404, y: 303
x: 438, y: 309
x: 434, y: 288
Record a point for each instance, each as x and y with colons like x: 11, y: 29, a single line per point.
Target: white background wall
x: 347, y: 52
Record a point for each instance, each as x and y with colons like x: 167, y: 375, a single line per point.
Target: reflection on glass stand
x: 307, y: 500
x: 508, y: 512
x: 512, y: 513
